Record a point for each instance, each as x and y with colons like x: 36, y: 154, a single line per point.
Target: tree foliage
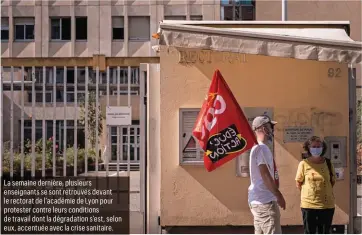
x: 359, y: 138
x: 359, y: 122
x: 92, y: 118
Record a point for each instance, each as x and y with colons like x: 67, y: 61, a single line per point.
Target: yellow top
x: 317, y: 190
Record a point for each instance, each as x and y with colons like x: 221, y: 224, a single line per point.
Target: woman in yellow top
x: 315, y: 178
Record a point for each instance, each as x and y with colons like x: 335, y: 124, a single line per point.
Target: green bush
x: 17, y: 158
x: 70, y: 153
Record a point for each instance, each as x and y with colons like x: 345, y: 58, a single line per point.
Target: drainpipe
x: 284, y: 10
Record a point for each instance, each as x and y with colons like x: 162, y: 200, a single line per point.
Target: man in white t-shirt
x: 264, y: 195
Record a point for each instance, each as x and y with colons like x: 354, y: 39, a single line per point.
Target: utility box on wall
x: 337, y: 150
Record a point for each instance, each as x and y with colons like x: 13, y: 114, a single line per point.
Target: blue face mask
x: 316, y: 152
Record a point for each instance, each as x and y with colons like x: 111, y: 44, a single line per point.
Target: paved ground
x: 136, y: 218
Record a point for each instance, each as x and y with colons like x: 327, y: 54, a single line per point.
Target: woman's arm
x: 299, y: 178
x: 333, y: 180
x: 299, y: 185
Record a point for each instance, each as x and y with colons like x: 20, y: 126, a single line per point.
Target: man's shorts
x: 266, y: 218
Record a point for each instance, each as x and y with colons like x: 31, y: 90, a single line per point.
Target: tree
x: 92, y: 118
x: 359, y: 122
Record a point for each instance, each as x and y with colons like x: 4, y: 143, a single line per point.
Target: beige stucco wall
x: 300, y: 93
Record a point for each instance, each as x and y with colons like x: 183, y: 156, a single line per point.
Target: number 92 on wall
x: 334, y: 72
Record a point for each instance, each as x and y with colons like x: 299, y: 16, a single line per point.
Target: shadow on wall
x: 21, y: 48
x: 81, y: 49
x: 59, y: 49
x: 15, y: 2
x: 4, y: 49
x: 223, y: 183
x: 16, y: 117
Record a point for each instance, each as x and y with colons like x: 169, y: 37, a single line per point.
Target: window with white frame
x: 190, y: 151
x: 135, y: 76
x: 139, y: 28
x: 39, y: 80
x: 237, y: 10
x: 174, y: 17
x: 124, y: 91
x: 135, y: 80
x: 81, y: 28
x: 117, y: 28
x: 24, y: 28
x: 70, y: 94
x: 4, y: 28
x: 133, y: 132
x: 59, y: 80
x: 196, y: 17
x: 60, y: 28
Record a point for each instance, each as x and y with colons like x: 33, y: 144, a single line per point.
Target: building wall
x: 316, y: 10
x: 99, y: 34
x: 297, y: 91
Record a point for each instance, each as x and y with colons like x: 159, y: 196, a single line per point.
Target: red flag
x: 221, y: 126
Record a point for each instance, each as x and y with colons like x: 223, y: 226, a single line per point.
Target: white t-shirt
x: 258, y: 192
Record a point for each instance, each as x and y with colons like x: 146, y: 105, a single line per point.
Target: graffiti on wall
x: 317, y: 118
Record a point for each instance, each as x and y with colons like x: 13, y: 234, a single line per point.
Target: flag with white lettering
x: 221, y: 127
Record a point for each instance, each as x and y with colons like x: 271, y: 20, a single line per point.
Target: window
x: 135, y: 80
x: 39, y: 80
x: 117, y: 28
x: 4, y: 29
x: 59, y: 132
x: 60, y: 28
x: 196, y: 17
x: 238, y: 10
x: 81, y: 28
x: 59, y: 80
x: 70, y: 134
x: 70, y: 97
x: 38, y: 130
x: 135, y: 76
x: 134, y: 144
x: 139, y: 28
x: 190, y: 151
x: 175, y: 17
x: 124, y: 91
x: 24, y: 28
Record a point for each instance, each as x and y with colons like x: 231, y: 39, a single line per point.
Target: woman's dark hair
x: 308, y: 143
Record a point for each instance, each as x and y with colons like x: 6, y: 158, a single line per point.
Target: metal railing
x: 13, y: 89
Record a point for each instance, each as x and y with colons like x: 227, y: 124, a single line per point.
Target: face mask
x: 316, y: 152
